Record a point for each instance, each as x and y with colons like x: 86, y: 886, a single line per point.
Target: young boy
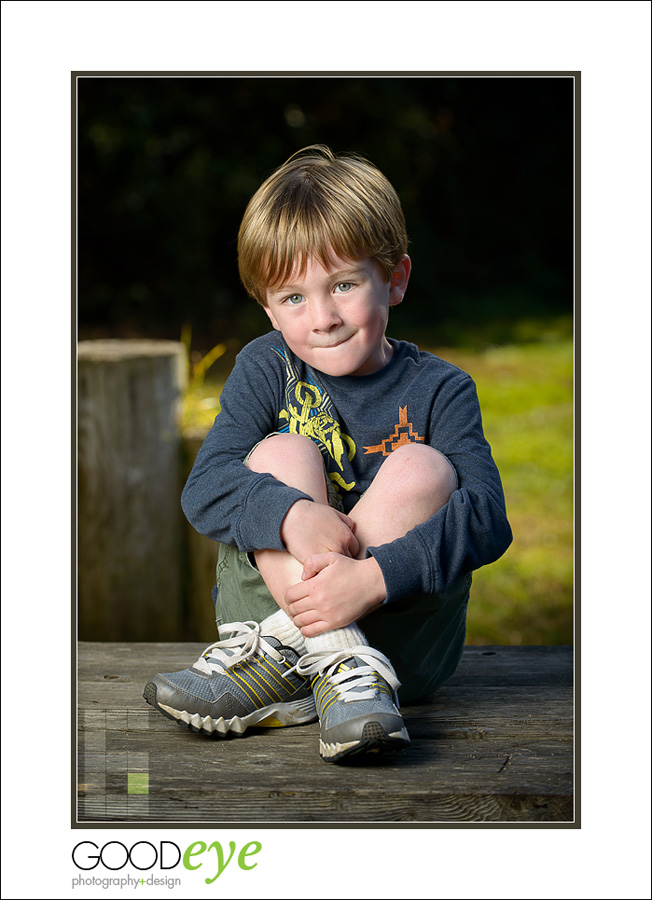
x: 346, y: 479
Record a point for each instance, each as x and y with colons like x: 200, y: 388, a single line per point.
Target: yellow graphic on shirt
x: 307, y: 413
x: 403, y: 434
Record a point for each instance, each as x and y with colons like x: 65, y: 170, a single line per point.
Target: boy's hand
x: 336, y: 591
x: 310, y: 528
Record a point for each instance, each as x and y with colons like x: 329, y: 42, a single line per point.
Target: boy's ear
x: 399, y: 280
x: 271, y: 318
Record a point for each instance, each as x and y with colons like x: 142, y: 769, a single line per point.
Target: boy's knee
x: 284, y: 452
x: 419, y: 470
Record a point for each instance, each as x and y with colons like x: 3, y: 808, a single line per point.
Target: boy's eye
x: 344, y: 286
x: 293, y: 299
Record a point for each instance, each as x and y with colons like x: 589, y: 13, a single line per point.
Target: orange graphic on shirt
x: 403, y: 434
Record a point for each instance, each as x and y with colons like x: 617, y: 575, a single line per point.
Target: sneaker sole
x: 277, y: 715
x: 374, y: 739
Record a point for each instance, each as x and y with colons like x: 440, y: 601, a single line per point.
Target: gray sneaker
x: 355, y: 694
x: 237, y: 682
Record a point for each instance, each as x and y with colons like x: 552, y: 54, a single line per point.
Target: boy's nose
x: 325, y: 316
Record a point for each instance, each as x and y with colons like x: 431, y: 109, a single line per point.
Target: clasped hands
x: 336, y: 587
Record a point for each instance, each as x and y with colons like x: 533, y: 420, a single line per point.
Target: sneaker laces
x: 228, y: 652
x: 355, y: 683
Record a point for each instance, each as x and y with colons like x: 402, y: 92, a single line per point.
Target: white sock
x: 280, y: 626
x: 337, y: 639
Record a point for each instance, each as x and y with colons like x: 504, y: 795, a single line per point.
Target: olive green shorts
x: 423, y: 637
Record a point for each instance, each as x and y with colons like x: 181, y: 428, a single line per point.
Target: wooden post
x: 129, y: 520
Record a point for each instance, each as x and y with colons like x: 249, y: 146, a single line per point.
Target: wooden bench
x: 494, y: 744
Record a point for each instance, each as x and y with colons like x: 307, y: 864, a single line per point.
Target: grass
x: 526, y: 395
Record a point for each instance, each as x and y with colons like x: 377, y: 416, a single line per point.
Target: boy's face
x: 334, y: 318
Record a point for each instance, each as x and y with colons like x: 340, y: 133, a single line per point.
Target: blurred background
x: 484, y: 168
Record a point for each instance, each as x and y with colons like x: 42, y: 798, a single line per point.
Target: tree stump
x: 129, y: 520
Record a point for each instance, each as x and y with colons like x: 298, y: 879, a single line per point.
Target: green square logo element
x: 137, y: 782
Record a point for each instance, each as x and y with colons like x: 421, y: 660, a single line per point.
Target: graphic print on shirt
x: 403, y: 434
x: 308, y: 412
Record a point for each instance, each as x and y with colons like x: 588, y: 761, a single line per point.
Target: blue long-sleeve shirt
x: 356, y: 421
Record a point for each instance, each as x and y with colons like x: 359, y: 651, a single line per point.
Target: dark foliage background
x: 166, y: 166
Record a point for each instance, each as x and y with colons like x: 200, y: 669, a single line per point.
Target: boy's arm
x: 222, y: 498
x: 310, y: 528
x: 471, y: 530
x: 344, y: 591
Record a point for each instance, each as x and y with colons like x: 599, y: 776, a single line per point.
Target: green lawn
x: 526, y: 394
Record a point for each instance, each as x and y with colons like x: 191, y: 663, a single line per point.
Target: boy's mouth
x: 334, y: 344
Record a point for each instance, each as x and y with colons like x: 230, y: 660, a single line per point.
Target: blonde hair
x: 314, y: 205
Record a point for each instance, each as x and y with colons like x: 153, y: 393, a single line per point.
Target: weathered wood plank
x: 491, y: 771
x: 495, y: 744
x: 526, y: 700
x: 472, y: 725
x: 442, y: 809
x: 486, y: 666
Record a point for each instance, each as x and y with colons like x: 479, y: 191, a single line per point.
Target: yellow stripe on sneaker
x: 328, y: 704
x: 277, y: 675
x: 319, y: 690
x: 325, y: 694
x: 259, y: 680
x: 271, y: 690
x: 249, y: 690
